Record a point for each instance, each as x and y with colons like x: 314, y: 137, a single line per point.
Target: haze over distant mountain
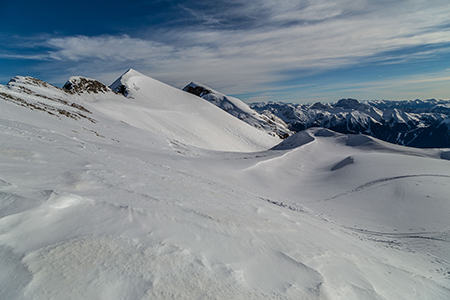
x: 414, y: 123
x: 143, y: 191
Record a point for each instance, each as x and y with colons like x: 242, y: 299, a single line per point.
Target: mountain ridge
x: 142, y: 102
x: 414, y: 123
x: 237, y: 108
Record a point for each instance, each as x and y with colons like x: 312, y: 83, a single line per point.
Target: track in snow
x: 381, y: 180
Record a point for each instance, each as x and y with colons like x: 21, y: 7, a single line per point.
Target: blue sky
x: 259, y: 50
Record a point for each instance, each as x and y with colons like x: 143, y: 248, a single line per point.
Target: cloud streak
x: 121, y: 48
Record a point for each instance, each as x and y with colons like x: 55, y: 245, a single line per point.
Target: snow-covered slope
x: 93, y: 208
x: 35, y: 94
x: 179, y: 116
x: 149, y: 104
x: 268, y: 122
x: 418, y: 123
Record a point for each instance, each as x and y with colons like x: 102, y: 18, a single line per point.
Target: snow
x: 268, y: 123
x: 134, y: 207
x: 157, y: 107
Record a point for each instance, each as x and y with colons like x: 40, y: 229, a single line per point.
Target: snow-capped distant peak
x: 348, y: 103
x: 412, y: 123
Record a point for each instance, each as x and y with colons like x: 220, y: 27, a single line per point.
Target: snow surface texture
x: 415, y: 123
x: 266, y: 122
x: 110, y: 206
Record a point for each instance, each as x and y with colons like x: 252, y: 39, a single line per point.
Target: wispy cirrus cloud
x: 112, y: 48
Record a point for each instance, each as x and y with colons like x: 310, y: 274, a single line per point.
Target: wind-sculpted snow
x: 113, y: 210
x: 418, y: 123
x: 345, y: 162
x: 295, y: 141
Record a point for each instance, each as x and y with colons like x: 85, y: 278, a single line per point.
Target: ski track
x: 374, y: 182
x: 435, y: 236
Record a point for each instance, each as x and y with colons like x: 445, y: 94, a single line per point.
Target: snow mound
x: 358, y: 140
x: 445, y: 155
x: 325, y: 133
x: 295, y: 141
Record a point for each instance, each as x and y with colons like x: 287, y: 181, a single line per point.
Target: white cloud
x: 120, y: 48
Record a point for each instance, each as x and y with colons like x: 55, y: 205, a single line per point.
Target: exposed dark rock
x: 79, y: 85
x: 196, y: 89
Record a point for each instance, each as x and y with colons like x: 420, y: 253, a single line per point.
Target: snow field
x: 118, y: 210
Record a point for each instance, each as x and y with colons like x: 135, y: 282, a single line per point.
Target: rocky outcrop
x: 80, y: 85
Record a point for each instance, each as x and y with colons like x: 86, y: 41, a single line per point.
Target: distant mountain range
x: 414, y: 123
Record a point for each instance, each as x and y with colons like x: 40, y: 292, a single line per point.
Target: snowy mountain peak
x: 132, y: 72
x: 126, y: 82
x: 320, y: 105
x: 27, y: 80
x: 348, y: 103
x: 80, y: 85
